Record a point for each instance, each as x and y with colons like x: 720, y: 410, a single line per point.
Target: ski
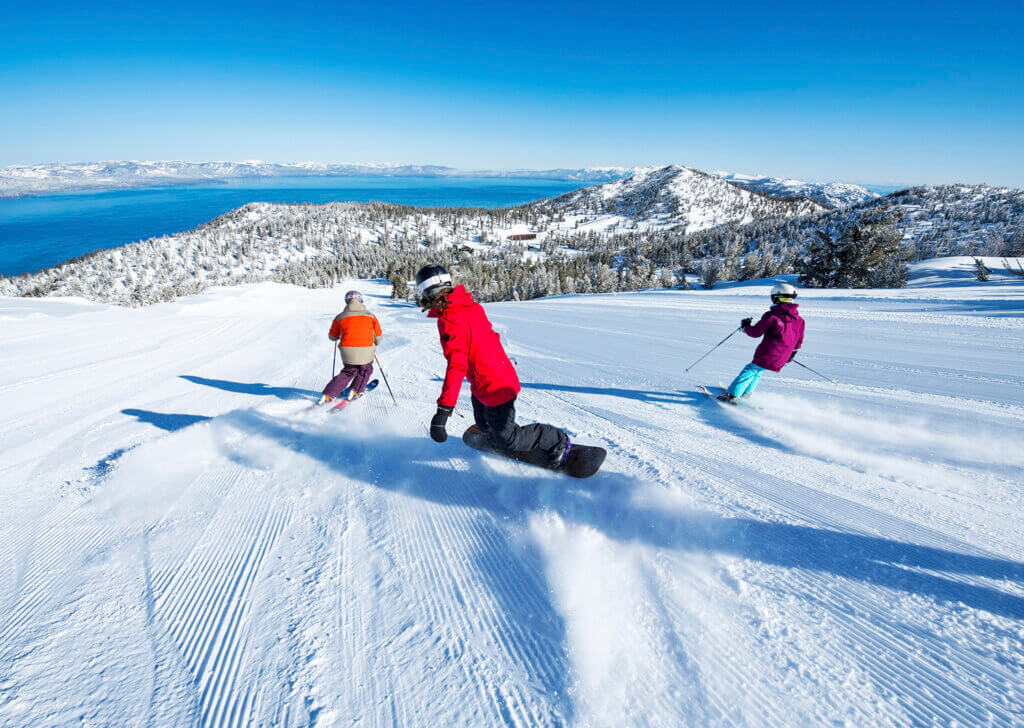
x: 707, y: 392
x: 738, y: 401
x: 343, y: 398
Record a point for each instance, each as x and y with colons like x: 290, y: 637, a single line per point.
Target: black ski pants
x: 543, y: 445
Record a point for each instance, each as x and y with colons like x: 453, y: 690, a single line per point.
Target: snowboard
x: 582, y: 462
x: 343, y: 398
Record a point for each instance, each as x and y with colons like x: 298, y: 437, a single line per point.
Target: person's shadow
x: 254, y: 388
x: 165, y: 420
x: 418, y: 469
x: 641, y: 395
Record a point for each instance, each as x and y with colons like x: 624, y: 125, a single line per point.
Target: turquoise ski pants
x: 746, y: 381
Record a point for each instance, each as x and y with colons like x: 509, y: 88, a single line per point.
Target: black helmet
x: 430, y: 279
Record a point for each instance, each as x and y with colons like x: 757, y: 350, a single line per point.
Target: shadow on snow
x: 640, y: 395
x: 165, y: 421
x: 603, y: 504
x: 254, y: 388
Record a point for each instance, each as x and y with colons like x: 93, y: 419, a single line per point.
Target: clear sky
x: 877, y: 92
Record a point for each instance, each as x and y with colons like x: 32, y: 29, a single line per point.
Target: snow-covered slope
x: 832, y: 194
x: 183, y: 543
x: 45, y: 178
x: 675, y: 197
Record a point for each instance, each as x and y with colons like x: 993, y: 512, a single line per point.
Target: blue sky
x: 868, y: 92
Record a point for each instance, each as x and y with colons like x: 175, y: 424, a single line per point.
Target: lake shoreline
x: 41, y: 231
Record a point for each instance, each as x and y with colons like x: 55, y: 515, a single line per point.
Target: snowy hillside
x: 831, y: 194
x: 315, y: 243
x: 310, y: 244
x: 182, y: 542
x: 21, y: 180
x: 675, y: 197
x: 935, y: 222
x: 643, y: 231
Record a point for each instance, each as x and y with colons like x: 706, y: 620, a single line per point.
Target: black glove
x: 437, y: 431
x: 746, y: 322
x: 792, y: 356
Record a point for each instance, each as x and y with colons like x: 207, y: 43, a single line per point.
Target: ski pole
x: 385, y: 379
x: 818, y: 373
x: 712, y: 349
x: 334, y: 363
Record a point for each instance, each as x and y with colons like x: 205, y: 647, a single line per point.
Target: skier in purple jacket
x: 783, y: 332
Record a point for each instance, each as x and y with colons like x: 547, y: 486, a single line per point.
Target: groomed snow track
x: 184, y: 543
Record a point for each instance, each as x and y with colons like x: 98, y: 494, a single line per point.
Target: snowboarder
x: 357, y: 332
x: 474, y: 350
x: 783, y: 332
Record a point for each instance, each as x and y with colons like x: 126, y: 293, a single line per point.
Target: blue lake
x: 38, y: 232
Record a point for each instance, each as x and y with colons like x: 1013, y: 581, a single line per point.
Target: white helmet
x: 783, y: 293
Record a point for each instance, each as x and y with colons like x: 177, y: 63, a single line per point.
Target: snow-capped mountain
x: 642, y: 231
x: 831, y: 194
x: 677, y: 197
x: 263, y: 241
x: 43, y: 178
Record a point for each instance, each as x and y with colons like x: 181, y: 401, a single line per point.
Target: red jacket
x: 473, y: 350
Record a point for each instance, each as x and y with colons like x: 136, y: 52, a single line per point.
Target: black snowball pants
x: 539, y: 444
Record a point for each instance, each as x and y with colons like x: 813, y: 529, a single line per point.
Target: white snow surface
x: 183, y: 542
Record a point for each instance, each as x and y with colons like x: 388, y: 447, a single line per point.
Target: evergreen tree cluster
x: 861, y: 252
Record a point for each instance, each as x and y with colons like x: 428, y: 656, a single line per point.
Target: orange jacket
x: 355, y: 326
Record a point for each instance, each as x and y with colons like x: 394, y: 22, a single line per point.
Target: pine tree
x: 856, y: 253
x: 710, y: 272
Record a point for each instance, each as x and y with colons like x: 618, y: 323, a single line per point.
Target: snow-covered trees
x: 710, y: 272
x: 316, y: 245
x: 860, y: 253
x: 981, y: 271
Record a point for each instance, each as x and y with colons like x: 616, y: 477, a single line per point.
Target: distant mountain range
x: 38, y: 179
x: 831, y: 194
x: 21, y: 180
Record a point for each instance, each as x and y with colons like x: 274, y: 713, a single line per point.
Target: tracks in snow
x: 893, y: 592
x: 287, y: 567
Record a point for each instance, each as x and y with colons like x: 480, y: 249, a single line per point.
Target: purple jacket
x: 783, y: 332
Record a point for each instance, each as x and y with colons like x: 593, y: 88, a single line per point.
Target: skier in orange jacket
x: 357, y: 332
